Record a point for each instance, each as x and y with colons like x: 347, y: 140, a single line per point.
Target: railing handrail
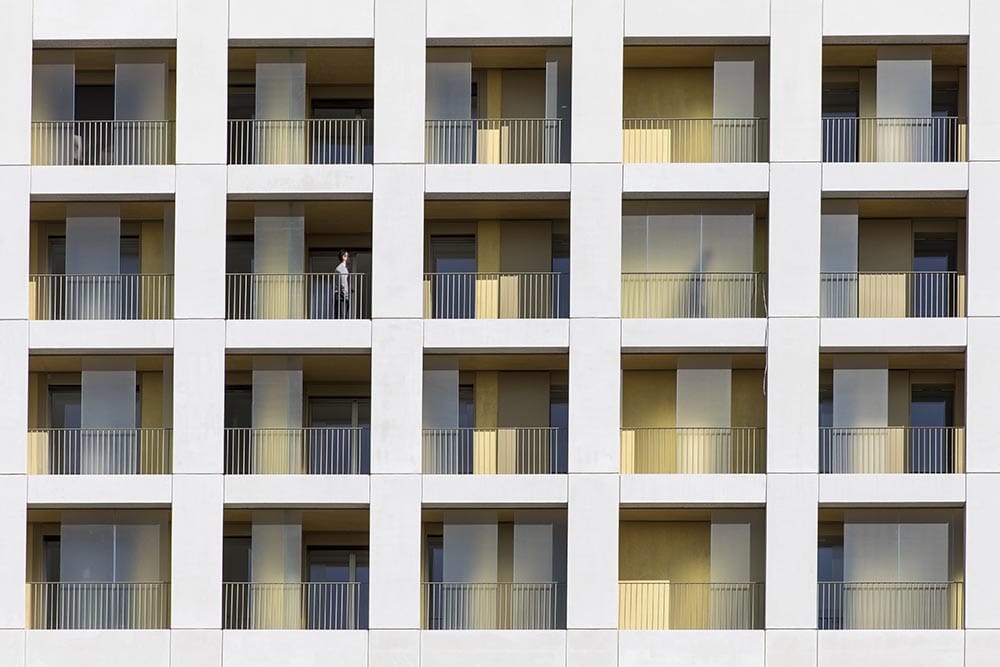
x: 495, y: 273
x: 123, y: 429
x: 694, y: 273
x: 633, y: 119
x: 891, y: 273
x: 491, y: 120
x: 153, y: 582
x: 296, y: 429
x: 488, y: 429
x: 295, y: 584
x: 840, y: 119
x: 101, y: 275
x: 882, y: 429
x: 694, y: 428
x: 893, y: 584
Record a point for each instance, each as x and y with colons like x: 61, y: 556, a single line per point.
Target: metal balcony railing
x: 494, y: 141
x: 100, y: 451
x: 492, y: 295
x: 101, y: 297
x: 102, y: 142
x: 672, y: 605
x: 310, y: 605
x: 935, y: 139
x: 310, y: 296
x: 307, y: 141
x: 694, y: 295
x: 892, y: 449
x: 693, y: 450
x: 492, y: 606
x: 490, y: 451
x: 321, y: 450
x: 893, y: 294
x: 890, y: 605
x: 694, y: 140
x: 98, y: 606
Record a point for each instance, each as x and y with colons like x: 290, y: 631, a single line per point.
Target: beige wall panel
x: 523, y: 93
x: 749, y: 406
x: 669, y: 551
x: 648, y: 398
x: 668, y: 93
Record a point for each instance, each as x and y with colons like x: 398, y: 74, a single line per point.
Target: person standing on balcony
x: 342, y: 294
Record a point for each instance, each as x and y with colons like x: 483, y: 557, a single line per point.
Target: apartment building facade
x: 439, y: 333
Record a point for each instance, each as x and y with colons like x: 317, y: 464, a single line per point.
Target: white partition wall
x: 839, y: 259
x: 903, y: 103
x: 704, y: 399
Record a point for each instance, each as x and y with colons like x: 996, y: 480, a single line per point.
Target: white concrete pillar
x: 796, y: 56
x: 199, y: 381
x: 794, y: 240
x: 13, y: 523
x: 14, y: 386
x: 398, y: 241
x: 982, y: 550
x: 202, y: 81
x: 15, y: 188
x: 394, y: 591
x: 792, y: 537
x: 595, y: 395
x: 598, y: 29
x: 397, y: 367
x: 982, y: 396
x: 595, y: 241
x: 400, y: 52
x: 592, y: 573
x: 15, y: 81
x: 983, y: 236
x: 200, y: 240
x: 792, y: 395
x: 196, y: 576
x: 984, y: 95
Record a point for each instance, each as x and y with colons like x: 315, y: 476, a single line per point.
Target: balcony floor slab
x: 495, y: 490
x: 930, y: 334
x: 99, y: 490
x: 878, y: 490
x: 691, y: 334
x: 298, y: 336
x: 540, y: 180
x: 296, y: 490
x: 889, y: 179
x: 500, y: 335
x: 695, y: 179
x: 80, y: 336
x: 692, y: 490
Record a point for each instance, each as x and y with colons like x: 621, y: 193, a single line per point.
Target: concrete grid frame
x: 595, y: 181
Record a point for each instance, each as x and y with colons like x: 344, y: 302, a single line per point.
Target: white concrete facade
x: 592, y: 493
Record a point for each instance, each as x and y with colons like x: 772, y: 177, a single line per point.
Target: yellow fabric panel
x: 749, y: 405
x: 668, y: 93
x: 664, y: 550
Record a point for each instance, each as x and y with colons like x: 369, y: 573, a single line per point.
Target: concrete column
x: 983, y: 236
x: 598, y: 29
x: 397, y: 374
x: 595, y: 395
x: 792, y: 395
x: 202, y: 81
x: 398, y: 241
x: 15, y: 81
x: 984, y: 95
x: 794, y: 240
x: 199, y: 381
x: 394, y: 591
x: 400, y: 52
x: 15, y: 201
x: 796, y: 56
x: 595, y: 241
x: 13, y: 523
x: 196, y: 578
x: 791, y: 569
x: 14, y: 386
x: 200, y: 229
x: 592, y: 574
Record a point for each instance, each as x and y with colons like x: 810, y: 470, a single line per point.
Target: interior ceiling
x: 672, y: 514
x: 866, y: 55
x: 491, y: 57
x: 324, y: 66
x: 500, y: 514
x: 651, y: 206
x: 498, y: 362
x: 313, y: 520
x: 906, y: 361
x: 338, y: 216
x: 668, y: 56
x: 101, y: 59
x: 130, y: 210
x: 316, y: 367
x: 912, y: 208
x: 541, y: 209
x: 74, y: 364
x: 669, y: 361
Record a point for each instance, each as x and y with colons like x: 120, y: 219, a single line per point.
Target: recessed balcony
x: 303, y: 106
x: 889, y: 103
x: 103, y: 107
x: 686, y: 104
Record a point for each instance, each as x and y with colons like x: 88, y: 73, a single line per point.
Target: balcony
x: 101, y: 297
x: 303, y: 106
x: 100, y: 451
x: 98, y: 606
x: 890, y: 605
x: 311, y: 296
x: 295, y: 606
x: 490, y: 606
x: 309, y: 141
x: 693, y: 450
x: 494, y: 451
x: 901, y: 449
x: 931, y: 139
x: 901, y: 294
x: 103, y: 107
x: 496, y: 295
x: 344, y: 450
x: 667, y: 605
x: 95, y: 143
x: 895, y: 103
x: 668, y: 140
x: 494, y: 141
x: 694, y: 295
